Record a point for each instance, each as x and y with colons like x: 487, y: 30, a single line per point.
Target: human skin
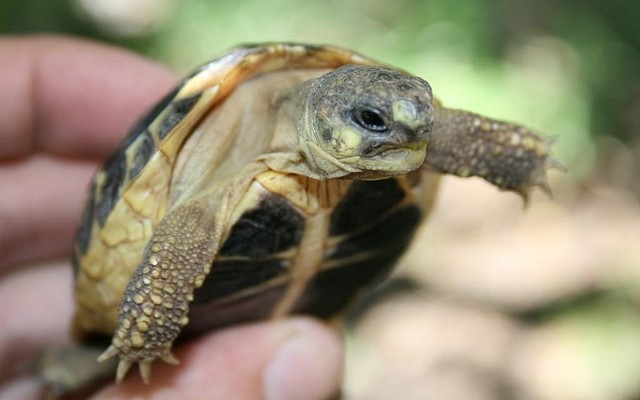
x: 64, y: 106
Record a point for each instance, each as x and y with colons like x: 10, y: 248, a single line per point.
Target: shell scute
x: 83, y: 237
x: 142, y: 153
x: 114, y: 174
x: 176, y: 113
x: 142, y: 125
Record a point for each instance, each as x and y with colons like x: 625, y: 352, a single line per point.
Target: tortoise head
x: 366, y: 122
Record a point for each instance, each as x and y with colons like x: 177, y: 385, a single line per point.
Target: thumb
x: 296, y: 358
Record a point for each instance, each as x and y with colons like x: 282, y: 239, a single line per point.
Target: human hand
x: 64, y: 106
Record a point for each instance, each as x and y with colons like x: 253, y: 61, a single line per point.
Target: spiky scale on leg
x: 155, y: 304
x: 507, y: 155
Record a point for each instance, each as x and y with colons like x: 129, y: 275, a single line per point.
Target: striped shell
x: 130, y: 195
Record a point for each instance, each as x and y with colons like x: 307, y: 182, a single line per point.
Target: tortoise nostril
x: 423, y: 133
x: 409, y: 134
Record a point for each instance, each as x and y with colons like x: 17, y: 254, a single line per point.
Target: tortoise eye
x: 370, y: 119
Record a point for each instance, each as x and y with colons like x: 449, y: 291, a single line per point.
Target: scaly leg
x: 155, y: 304
x: 507, y: 155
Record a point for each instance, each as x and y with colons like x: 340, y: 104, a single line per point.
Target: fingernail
x: 306, y: 366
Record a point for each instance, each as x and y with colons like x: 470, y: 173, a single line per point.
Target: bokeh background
x: 494, y: 300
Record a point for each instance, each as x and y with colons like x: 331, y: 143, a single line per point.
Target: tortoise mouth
x: 395, y: 160
x: 378, y: 150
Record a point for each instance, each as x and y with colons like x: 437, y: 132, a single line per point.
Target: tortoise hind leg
x: 154, y: 307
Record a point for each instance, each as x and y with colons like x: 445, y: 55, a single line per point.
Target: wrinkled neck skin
x: 300, y: 153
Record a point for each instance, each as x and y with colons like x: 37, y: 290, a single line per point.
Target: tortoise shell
x: 130, y: 195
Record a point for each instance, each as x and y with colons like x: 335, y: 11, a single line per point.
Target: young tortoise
x: 277, y: 179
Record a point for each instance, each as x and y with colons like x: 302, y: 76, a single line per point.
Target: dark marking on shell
x: 370, y: 198
x: 115, y: 172
x: 273, y: 226
x: 333, y: 289
x: 143, y: 124
x: 83, y: 236
x: 327, y: 294
x: 311, y: 48
x: 183, y: 106
x: 393, y: 228
x: 229, y: 276
x: 259, y: 305
x: 115, y: 168
x: 177, y: 112
x: 377, y: 247
x: 382, y: 243
x: 75, y: 263
x: 145, y: 147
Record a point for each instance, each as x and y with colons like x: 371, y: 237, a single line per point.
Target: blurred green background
x: 492, y: 302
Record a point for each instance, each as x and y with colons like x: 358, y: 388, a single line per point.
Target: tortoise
x: 279, y: 178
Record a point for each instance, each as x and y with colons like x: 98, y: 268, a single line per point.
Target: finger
x: 21, y: 388
x: 71, y: 97
x: 35, y: 313
x: 291, y: 359
x: 67, y: 97
x: 40, y: 207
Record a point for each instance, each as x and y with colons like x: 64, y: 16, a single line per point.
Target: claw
x: 524, y: 195
x: 169, y: 358
x: 550, y: 162
x: 543, y: 184
x: 145, y: 371
x: 108, y: 353
x: 123, y: 368
x: 541, y: 180
x: 553, y: 163
x: 144, y: 366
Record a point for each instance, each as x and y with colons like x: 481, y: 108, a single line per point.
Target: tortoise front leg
x: 507, y: 155
x: 155, y: 304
